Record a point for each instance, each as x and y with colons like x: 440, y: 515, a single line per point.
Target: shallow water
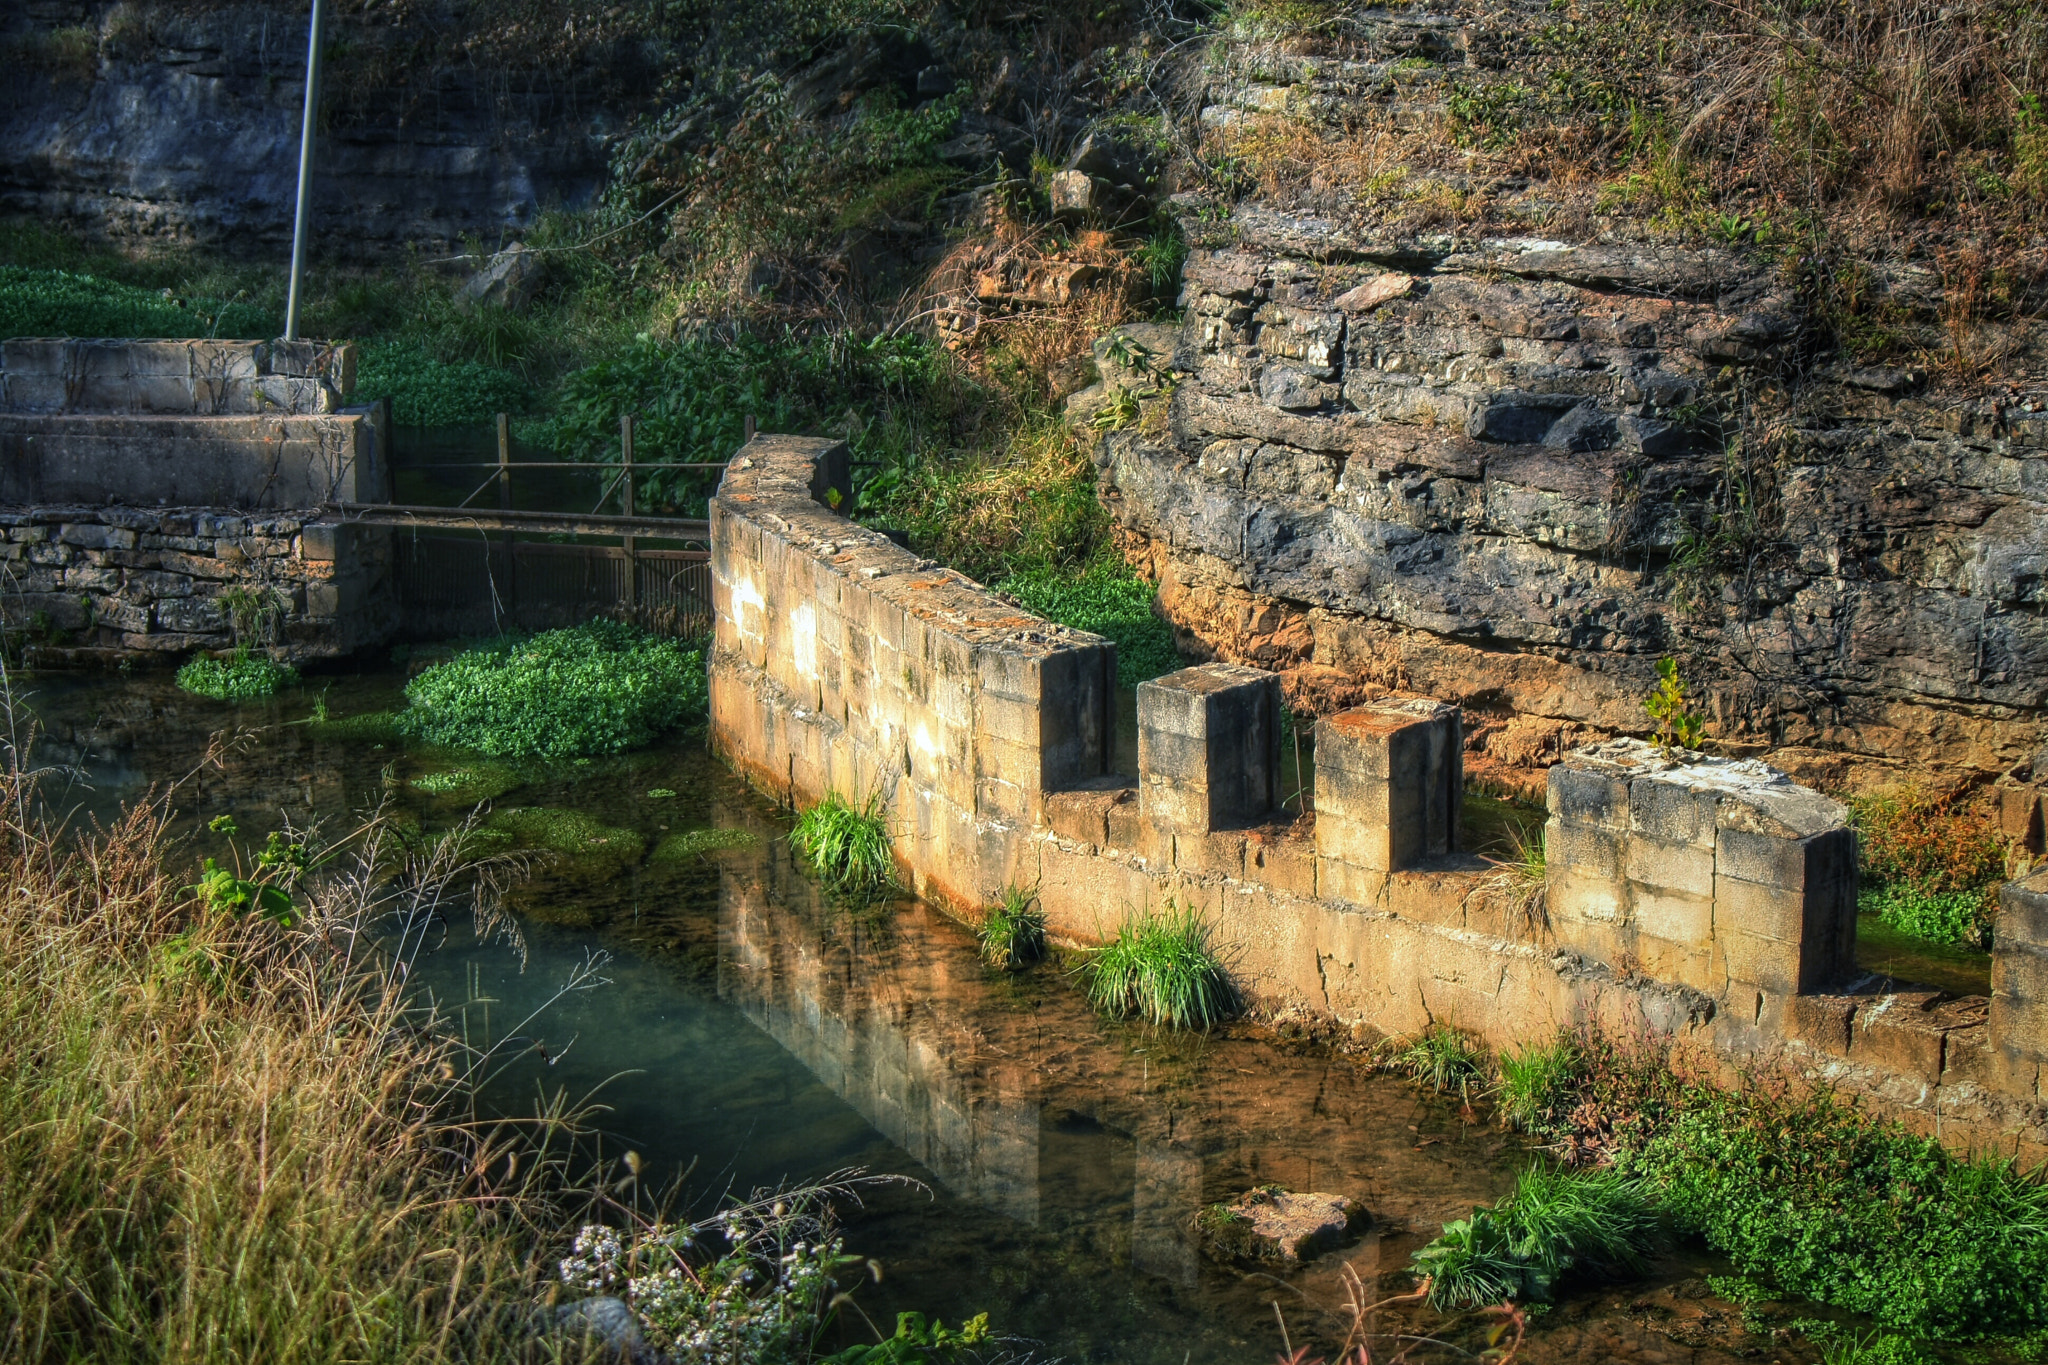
x: 751, y: 1032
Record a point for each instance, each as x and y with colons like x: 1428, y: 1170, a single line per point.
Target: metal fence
x: 454, y: 584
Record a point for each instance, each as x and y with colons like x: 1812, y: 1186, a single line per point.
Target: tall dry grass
x: 224, y: 1139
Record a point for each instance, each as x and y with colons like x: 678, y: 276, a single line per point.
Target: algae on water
x: 686, y: 844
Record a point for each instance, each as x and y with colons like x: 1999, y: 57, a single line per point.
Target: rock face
x: 185, y: 127
x: 1500, y: 473
x: 1271, y: 1224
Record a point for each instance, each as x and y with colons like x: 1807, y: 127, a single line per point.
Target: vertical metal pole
x: 626, y: 504
x: 750, y: 426
x: 507, y: 540
x: 306, y: 130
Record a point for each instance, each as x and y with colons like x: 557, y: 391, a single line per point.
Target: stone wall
x: 1488, y: 471
x: 92, y: 584
x: 1709, y: 899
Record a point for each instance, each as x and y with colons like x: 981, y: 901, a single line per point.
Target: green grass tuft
x: 1554, y: 1224
x: 598, y: 688
x: 1012, y: 933
x: 1160, y: 968
x: 1534, y: 1080
x: 1440, y: 1058
x: 366, y: 727
x: 847, y: 845
x: 241, y: 678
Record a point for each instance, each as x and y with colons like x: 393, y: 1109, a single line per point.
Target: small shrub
x: 598, y: 688
x: 1931, y: 865
x: 1012, y: 933
x: 847, y: 845
x: 1440, y: 1058
x: 1670, y: 706
x: 240, y: 678
x: 1160, y: 968
x: 429, y: 390
x: 1555, y: 1223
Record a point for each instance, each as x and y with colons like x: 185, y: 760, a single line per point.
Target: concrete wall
x: 247, y: 425
x: 1702, y: 899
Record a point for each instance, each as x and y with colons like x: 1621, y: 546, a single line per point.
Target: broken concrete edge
x: 844, y: 663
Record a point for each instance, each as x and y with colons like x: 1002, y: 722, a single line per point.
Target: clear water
x: 753, y: 1032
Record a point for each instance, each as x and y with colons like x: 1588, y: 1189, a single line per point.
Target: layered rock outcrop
x: 1516, y: 473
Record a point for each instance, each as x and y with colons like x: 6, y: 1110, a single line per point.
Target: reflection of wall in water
x: 846, y: 1018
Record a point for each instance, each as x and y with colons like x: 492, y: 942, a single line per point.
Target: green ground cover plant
x: 846, y: 843
x: 242, y: 677
x: 1805, y: 1191
x: 1108, y: 599
x: 687, y: 845
x: 1931, y: 865
x: 1554, y: 1225
x: 598, y: 688
x: 1160, y: 968
x: 1012, y: 931
x: 47, y: 302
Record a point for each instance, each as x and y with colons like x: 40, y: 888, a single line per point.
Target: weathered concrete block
x: 2019, y: 970
x: 1389, y: 784
x: 1209, y: 747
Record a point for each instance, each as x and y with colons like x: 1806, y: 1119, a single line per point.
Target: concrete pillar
x: 1390, y: 779
x: 1721, y: 875
x: 2019, y: 970
x: 1208, y: 748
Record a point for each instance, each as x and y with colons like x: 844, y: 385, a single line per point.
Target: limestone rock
x: 1075, y: 193
x: 1376, y: 291
x: 1272, y: 1224
x: 510, y: 280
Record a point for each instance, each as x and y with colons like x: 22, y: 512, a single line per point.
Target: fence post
x: 509, y: 553
x: 626, y: 505
x: 750, y: 426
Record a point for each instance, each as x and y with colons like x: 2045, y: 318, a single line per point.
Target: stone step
x: 208, y: 378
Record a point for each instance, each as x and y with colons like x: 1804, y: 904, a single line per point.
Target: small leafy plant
x: 847, y: 845
x: 1931, y: 864
x: 1670, y: 706
x: 240, y: 678
x: 1160, y: 968
x: 1554, y: 1224
x: 1012, y: 933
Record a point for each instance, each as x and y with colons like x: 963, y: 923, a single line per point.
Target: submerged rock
x: 1272, y: 1224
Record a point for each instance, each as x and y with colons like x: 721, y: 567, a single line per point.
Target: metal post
x: 626, y: 503
x: 750, y: 426
x: 509, y: 552
x: 306, y: 130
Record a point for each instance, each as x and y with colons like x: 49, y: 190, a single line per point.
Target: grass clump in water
x: 1160, y: 968
x: 847, y: 845
x: 240, y: 678
x: 1438, y: 1057
x: 1012, y: 933
x: 480, y: 783
x: 588, y: 847
x: 1534, y: 1080
x: 598, y: 688
x: 1554, y: 1224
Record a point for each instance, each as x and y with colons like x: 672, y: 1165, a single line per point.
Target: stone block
x: 1283, y: 864
x: 2019, y: 969
x: 1792, y: 863
x: 1821, y: 1021
x: 93, y: 536
x: 1675, y: 918
x: 1582, y: 797
x: 1389, y: 783
x: 1576, y: 896
x: 1219, y: 854
x: 1587, y: 850
x: 1209, y: 747
x: 1685, y: 869
x: 1668, y: 813
x: 1895, y: 1033
x: 1337, y: 880
x: 1081, y: 816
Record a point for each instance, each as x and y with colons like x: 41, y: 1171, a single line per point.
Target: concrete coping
x: 784, y: 479
x: 1742, y: 784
